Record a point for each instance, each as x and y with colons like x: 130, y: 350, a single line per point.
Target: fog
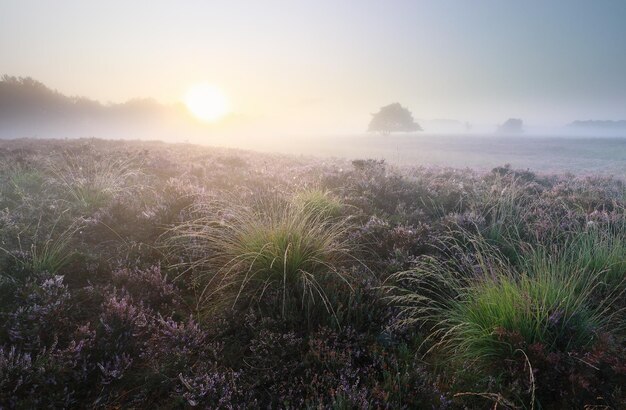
x: 30, y: 109
x: 322, y: 204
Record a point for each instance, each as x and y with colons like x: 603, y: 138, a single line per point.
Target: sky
x: 324, y: 66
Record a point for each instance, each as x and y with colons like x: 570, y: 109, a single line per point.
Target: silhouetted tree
x: 30, y: 108
x: 512, y: 126
x: 393, y: 118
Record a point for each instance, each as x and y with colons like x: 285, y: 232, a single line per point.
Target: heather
x: 150, y: 275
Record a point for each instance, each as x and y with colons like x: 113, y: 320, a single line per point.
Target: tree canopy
x: 511, y: 126
x: 393, y: 118
x: 30, y: 108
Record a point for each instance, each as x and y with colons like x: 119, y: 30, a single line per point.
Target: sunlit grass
x: 471, y: 312
x: 20, y: 183
x: 46, y: 251
x: 91, y: 183
x: 318, y: 202
x: 281, y: 256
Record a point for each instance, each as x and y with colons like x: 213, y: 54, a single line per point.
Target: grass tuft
x: 283, y: 257
x: 600, y: 250
x: 91, y: 183
x: 49, y: 253
x: 318, y: 202
x: 470, y: 304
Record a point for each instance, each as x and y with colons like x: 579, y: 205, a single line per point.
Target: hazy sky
x: 325, y: 65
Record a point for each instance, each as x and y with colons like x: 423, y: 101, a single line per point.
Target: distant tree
x: 393, y: 118
x: 28, y: 107
x: 511, y: 126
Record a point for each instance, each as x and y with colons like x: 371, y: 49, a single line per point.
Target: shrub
x: 148, y: 285
x: 41, y: 311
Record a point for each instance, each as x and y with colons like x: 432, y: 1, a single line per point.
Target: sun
x: 207, y: 102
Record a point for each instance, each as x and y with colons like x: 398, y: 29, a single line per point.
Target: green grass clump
x: 49, y: 253
x: 602, y: 251
x: 541, y: 309
x: 471, y: 312
x: 20, y: 185
x: 504, y: 206
x: 279, y: 256
x: 91, y: 183
x: 25, y: 181
x: 318, y: 202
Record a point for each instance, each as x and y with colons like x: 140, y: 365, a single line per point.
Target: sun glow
x: 207, y: 102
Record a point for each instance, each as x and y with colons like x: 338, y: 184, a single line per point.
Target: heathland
x: 151, y: 275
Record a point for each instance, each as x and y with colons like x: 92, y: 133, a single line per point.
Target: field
x: 547, y: 154
x: 153, y: 275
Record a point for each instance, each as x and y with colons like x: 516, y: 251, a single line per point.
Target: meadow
x: 540, y: 152
x: 153, y: 275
